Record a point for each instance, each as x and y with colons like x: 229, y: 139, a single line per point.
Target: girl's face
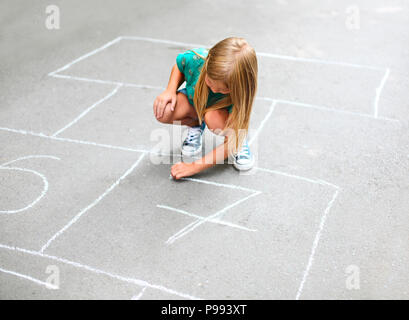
x: 217, y: 86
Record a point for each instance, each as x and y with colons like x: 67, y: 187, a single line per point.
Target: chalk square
x: 50, y: 104
x: 328, y: 145
x: 70, y: 184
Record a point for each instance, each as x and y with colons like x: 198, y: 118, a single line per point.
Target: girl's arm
x: 169, y: 95
x: 216, y: 156
x: 176, y: 79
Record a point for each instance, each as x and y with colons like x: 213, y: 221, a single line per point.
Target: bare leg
x: 184, y: 112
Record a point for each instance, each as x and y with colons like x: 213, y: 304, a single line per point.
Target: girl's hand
x: 183, y: 169
x: 162, y: 100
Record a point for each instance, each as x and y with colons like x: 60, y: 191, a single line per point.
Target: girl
x: 221, y: 85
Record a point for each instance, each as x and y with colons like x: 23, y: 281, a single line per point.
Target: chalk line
x: 30, y: 157
x: 138, y: 282
x: 42, y: 135
x: 43, y: 192
x: 226, y: 223
x: 91, y: 143
x: 154, y: 40
x: 307, y: 105
x: 266, y: 118
x: 124, y: 84
x: 110, y: 43
x: 139, y: 296
x: 23, y: 276
x: 189, y: 228
x: 315, y: 244
x: 289, y: 175
x: 231, y: 186
x: 109, y: 95
x: 320, y: 61
x: 95, y: 202
x: 378, y: 92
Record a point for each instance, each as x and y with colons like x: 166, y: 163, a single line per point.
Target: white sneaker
x: 244, y: 160
x: 193, y: 142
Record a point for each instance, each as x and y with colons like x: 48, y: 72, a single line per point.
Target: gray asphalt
x: 86, y: 200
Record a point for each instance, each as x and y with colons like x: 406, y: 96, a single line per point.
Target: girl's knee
x: 167, y: 116
x: 216, y: 120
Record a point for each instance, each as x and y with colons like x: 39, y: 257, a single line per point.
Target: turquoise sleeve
x: 182, y: 60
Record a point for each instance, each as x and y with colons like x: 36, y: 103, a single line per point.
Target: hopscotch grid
x: 194, y: 225
x: 78, y: 265
x: 191, y: 227
x: 94, y: 203
x: 208, y: 182
x: 378, y: 93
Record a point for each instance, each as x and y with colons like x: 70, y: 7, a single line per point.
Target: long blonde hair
x: 233, y: 61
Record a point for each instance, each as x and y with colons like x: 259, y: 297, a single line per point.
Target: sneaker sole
x: 244, y: 167
x: 191, y: 153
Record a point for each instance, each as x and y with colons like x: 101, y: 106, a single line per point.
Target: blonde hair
x: 233, y: 61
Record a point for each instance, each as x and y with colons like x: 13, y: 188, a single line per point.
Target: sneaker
x: 244, y: 160
x: 193, y: 142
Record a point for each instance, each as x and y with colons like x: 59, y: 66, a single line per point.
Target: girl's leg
x: 184, y: 112
x: 216, y: 120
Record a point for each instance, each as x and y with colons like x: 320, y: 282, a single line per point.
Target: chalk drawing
x: 95, y: 202
x: 214, y: 218
x: 5, y: 166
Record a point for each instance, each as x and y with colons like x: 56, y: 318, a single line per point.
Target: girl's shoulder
x: 199, y: 52
x: 195, y: 54
x: 192, y: 58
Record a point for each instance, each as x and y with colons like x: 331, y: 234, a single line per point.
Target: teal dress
x: 190, y: 65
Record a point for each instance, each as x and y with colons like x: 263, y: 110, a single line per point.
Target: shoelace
x: 244, y: 152
x: 193, y: 134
